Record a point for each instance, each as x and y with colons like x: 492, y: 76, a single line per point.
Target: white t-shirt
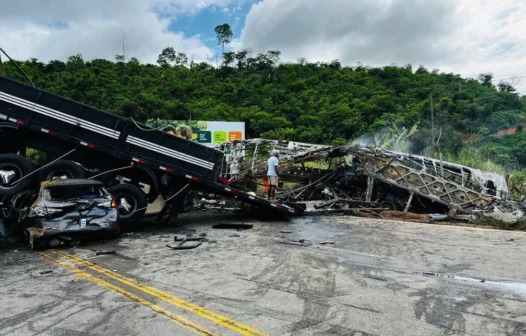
x: 272, y: 163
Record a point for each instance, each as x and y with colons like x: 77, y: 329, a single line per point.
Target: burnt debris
x: 352, y: 178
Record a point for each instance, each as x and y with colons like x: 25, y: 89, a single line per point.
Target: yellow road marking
x: 183, y: 304
x: 176, y: 318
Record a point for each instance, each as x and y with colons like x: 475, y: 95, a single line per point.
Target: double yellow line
x: 151, y: 291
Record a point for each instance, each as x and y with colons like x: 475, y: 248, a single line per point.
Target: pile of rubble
x: 366, y: 178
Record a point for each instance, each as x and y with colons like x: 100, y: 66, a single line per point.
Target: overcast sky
x: 462, y: 36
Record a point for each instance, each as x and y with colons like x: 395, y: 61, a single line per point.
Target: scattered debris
x: 347, y: 178
x: 467, y: 218
x: 235, y: 235
x: 239, y: 226
x: 286, y: 231
x: 105, y: 252
x: 327, y: 243
x: 377, y: 277
x: 510, y: 240
x: 45, y: 272
x: 437, y: 217
x: 406, y: 216
x: 301, y: 242
x: 182, y: 241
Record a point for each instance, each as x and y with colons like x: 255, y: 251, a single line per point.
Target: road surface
x: 378, y: 278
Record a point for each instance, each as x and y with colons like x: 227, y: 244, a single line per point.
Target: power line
x: 502, y: 79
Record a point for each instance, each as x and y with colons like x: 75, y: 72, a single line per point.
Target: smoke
x: 366, y: 139
x: 390, y: 138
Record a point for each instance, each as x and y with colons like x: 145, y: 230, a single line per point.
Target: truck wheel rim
x: 6, y: 167
x: 123, y: 213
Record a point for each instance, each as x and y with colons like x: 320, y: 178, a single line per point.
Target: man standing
x: 272, y: 174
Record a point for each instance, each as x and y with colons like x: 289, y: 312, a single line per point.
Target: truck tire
x: 135, y: 199
x: 22, y: 167
x: 391, y: 202
x: 62, y: 168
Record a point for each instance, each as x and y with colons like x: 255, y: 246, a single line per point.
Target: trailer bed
x: 82, y: 126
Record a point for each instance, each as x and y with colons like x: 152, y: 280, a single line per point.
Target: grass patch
x: 519, y: 225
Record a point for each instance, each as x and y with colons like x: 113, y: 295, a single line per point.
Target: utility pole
x: 432, y: 122
x: 1, y: 66
x: 124, y: 46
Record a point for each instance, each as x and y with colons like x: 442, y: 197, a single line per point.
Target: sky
x: 467, y: 37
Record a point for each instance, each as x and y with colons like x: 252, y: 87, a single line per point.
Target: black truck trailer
x: 80, y: 141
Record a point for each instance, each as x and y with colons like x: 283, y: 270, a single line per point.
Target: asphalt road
x: 378, y: 278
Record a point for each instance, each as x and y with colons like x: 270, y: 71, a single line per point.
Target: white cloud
x: 57, y: 29
x: 467, y: 37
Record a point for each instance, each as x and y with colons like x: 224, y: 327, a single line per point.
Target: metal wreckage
x: 361, y: 180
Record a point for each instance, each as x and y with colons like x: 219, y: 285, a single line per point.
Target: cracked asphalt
x: 378, y: 278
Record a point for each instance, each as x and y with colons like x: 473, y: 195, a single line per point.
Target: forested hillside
x: 303, y: 101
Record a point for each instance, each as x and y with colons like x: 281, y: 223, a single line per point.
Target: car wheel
x: 12, y: 168
x: 132, y: 202
x: 61, y: 168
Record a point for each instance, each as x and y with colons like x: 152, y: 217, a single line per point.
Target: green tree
x: 167, y: 56
x: 228, y: 58
x: 485, y: 79
x: 317, y: 102
x: 224, y: 36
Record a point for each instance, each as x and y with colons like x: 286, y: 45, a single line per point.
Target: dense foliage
x: 309, y: 102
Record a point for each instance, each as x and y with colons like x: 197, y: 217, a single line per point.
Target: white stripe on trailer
x: 274, y: 205
x: 59, y: 115
x: 101, y: 130
x: 3, y: 116
x: 170, y: 152
x: 136, y: 160
x: 188, y: 176
x: 13, y: 120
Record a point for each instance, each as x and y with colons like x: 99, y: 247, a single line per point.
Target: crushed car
x: 68, y: 211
